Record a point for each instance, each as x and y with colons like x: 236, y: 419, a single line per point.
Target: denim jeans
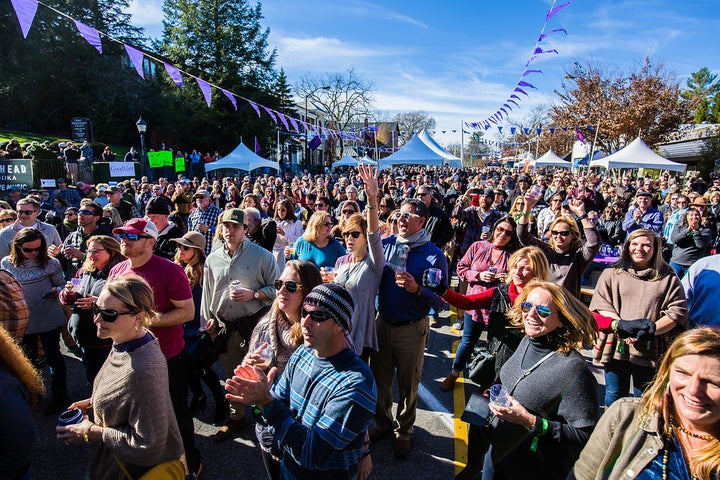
x: 51, y: 345
x: 471, y: 334
x: 679, y: 269
x: 617, y: 379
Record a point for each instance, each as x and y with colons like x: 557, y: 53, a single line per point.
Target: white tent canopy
x: 367, y: 160
x: 637, y: 155
x: 550, y: 159
x: 346, y: 161
x: 421, y: 149
x: 242, y: 158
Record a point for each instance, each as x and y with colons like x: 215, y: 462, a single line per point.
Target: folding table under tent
x: 638, y: 155
x: 242, y: 158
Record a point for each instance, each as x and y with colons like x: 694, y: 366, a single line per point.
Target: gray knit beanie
x: 335, y: 300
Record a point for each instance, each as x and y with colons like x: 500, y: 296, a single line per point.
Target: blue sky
x: 461, y: 60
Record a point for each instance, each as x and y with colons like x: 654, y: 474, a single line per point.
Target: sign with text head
x: 81, y: 129
x: 16, y: 173
x: 122, y: 169
x: 160, y: 159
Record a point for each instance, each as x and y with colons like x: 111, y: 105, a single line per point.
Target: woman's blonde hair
x: 705, y: 461
x: 309, y: 275
x: 135, y: 293
x: 574, y: 231
x: 115, y: 218
x: 314, y: 225
x: 194, y: 268
x: 109, y: 244
x: 538, y: 263
x: 577, y: 328
x: 13, y: 359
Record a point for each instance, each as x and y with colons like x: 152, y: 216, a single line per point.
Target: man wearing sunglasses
x: 174, y: 306
x: 234, y: 309
x: 326, y: 393
x: 28, y: 210
x: 403, y: 322
x: 90, y: 222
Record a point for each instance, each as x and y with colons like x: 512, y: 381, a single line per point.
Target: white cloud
x: 147, y: 14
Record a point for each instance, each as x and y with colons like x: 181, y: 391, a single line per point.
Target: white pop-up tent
x: 638, y: 155
x: 242, y: 158
x: 421, y: 149
x: 366, y: 160
x: 346, y: 161
x: 550, y: 159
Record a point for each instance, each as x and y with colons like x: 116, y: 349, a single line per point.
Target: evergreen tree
x: 701, y: 88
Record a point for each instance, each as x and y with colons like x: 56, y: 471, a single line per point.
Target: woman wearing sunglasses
x: 640, y: 285
x: 361, y: 269
x: 103, y: 253
x: 348, y: 208
x: 289, y: 228
x: 128, y: 420
x: 552, y: 395
x: 41, y: 278
x: 317, y: 244
x: 567, y: 253
x: 280, y: 329
x: 484, y: 266
x: 190, y: 255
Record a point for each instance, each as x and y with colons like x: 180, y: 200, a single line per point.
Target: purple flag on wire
x: 257, y: 146
x: 528, y: 72
x: 314, y: 143
x: 283, y: 119
x: 270, y: 112
x: 518, y: 89
x: 136, y: 58
x: 542, y: 37
x: 553, y: 11
x: 539, y: 50
x: 580, y: 136
x: 174, y: 73
x: 230, y: 97
x: 294, y: 124
x: 254, y: 105
x: 25, y: 11
x: 90, y: 34
x: 552, y: 130
x: 206, y: 90
x: 512, y: 130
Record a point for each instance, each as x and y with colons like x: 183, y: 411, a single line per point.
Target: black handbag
x: 477, y: 411
x: 481, y: 366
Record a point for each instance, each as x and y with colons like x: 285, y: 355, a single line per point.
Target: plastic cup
x: 434, y: 277
x: 266, y: 355
x: 76, y: 284
x: 485, y: 229
x: 328, y: 274
x: 70, y: 417
x: 291, y: 250
x: 535, y: 192
x: 500, y: 395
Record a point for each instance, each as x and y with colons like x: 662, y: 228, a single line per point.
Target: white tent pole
x: 462, y: 144
x: 592, y: 149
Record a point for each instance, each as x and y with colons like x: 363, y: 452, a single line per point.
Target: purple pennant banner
x: 538, y: 131
x: 230, y: 97
x: 294, y: 124
x: 539, y: 51
x: 206, y: 90
x: 516, y: 97
x: 284, y: 121
x: 552, y: 130
x: 512, y: 130
x: 90, y: 34
x: 174, y: 73
x: 518, y: 89
x: 523, y: 83
x: 25, y: 11
x: 542, y: 36
x: 526, y: 130
x: 254, y: 106
x: 528, y: 72
x: 270, y: 112
x: 500, y: 129
x: 136, y: 58
x: 553, y: 11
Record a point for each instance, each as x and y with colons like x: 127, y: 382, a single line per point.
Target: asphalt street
x: 439, y: 446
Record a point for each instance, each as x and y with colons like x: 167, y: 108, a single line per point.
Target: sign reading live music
x: 16, y: 173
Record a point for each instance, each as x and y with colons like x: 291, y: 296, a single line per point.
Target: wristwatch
x: 256, y: 294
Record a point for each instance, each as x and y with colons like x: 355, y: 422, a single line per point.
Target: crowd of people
x: 152, y: 284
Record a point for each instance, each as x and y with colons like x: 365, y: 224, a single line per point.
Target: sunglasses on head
x: 30, y: 250
x: 107, y: 314
x: 555, y: 233
x: 317, y: 315
x: 290, y: 285
x: 133, y: 237
x: 354, y: 234
x: 542, y: 310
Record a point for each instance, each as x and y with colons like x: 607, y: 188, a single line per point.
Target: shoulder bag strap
x: 530, y: 370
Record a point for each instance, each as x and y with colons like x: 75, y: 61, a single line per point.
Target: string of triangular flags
x: 523, y: 85
x: 25, y: 11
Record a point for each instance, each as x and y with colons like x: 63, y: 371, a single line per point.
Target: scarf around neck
x: 403, y: 247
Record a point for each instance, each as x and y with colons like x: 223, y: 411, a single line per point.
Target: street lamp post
x: 142, y: 128
x: 307, y: 147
